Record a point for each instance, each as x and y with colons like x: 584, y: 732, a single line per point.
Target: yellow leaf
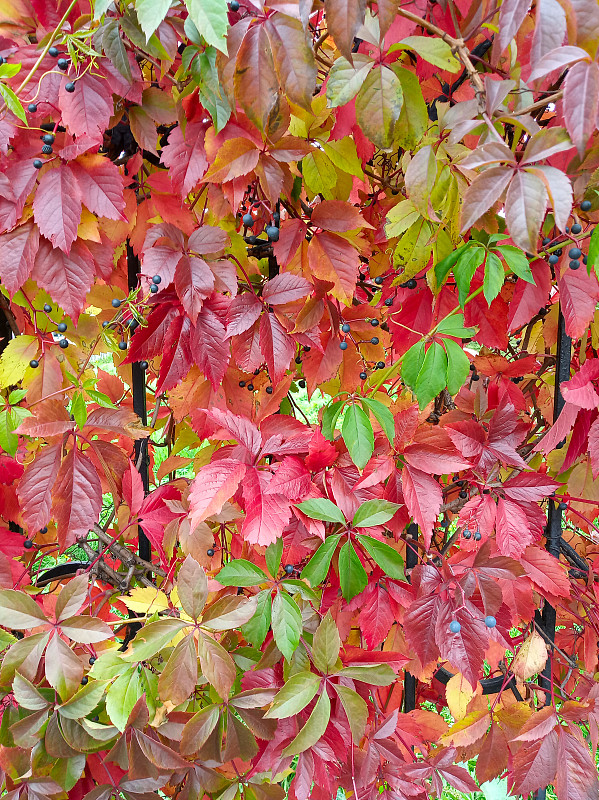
x: 530, y: 658
x: 15, y: 359
x: 88, y: 227
x: 145, y: 600
x: 458, y: 694
x: 468, y: 730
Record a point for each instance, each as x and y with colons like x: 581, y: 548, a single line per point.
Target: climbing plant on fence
x: 209, y: 215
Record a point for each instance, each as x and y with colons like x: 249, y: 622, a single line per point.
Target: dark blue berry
x: 47, y: 308
x: 273, y: 233
x: 28, y: 544
x: 380, y: 365
x: 585, y: 205
x: 48, y: 138
x: 269, y: 390
x: 467, y: 533
x: 69, y: 87
x: 575, y: 264
x: 374, y: 340
x: 210, y: 552
x: 34, y: 363
x: 32, y: 108
x: 242, y: 384
x: 64, y: 343
x: 116, y: 302
x: 477, y: 536
x: 576, y: 228
x: 553, y: 258
x: 234, y: 5
x: 250, y: 387
x: 247, y: 220
x: 302, y: 384
x: 288, y: 568
x: 412, y: 284
x: 490, y: 621
x: 62, y: 326
x: 122, y: 345
x: 47, y: 149
x: 378, y: 280
x: 44, y: 530
x: 38, y: 163
x: 363, y: 376
x: 343, y: 345
x: 546, y: 241
x: 156, y: 279
x: 345, y: 328
x: 62, y: 64
x: 575, y: 252
x: 389, y: 301
x: 374, y: 323
x: 153, y: 288
x: 53, y: 51
x: 144, y: 365
x: 454, y: 626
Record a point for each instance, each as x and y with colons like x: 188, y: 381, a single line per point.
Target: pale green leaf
x: 314, y: 727
x: 295, y: 695
x: 358, y: 435
x: 286, y: 624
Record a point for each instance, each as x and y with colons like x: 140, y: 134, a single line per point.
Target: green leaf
x: 344, y: 155
x: 346, y: 79
x: 413, y: 118
x: 273, y: 556
x: 412, y: 364
x: 101, y: 7
x: 256, y: 629
x: 382, y: 415
x: 326, y: 644
x: 295, y: 695
x: 323, y: 509
x: 9, y: 70
x: 352, y: 575
x: 378, y: 105
x: 79, y: 409
x: 467, y: 264
x: 317, y: 568
x: 431, y: 49
x: 432, y: 378
x: 593, y: 255
x: 375, y: 674
x: 84, y: 700
x: 150, y: 14
x: 314, y: 727
x: 9, y: 441
x: 113, y: 46
x: 454, y: 326
x: 12, y: 102
x: 100, y: 398
x: 241, y: 573
x: 329, y: 419
x: 494, y: 276
x: 374, y: 512
x: 211, y: 19
x: 16, y: 396
x: 458, y: 366
x: 355, y: 708
x: 442, y: 267
x: 19, y: 611
x: 295, y: 586
x: 152, y: 638
x: 516, y: 261
x: 286, y: 624
x: 358, y: 435
x: 122, y: 695
x: 198, y: 729
x: 385, y: 556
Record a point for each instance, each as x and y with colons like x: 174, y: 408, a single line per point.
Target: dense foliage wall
x: 215, y: 220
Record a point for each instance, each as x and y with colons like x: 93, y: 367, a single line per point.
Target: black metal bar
x: 553, y: 531
x: 409, y: 701
x: 138, y: 386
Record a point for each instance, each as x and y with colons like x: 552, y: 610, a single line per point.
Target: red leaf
x: 57, y: 206
x: 528, y: 298
x: 286, y: 288
x: 332, y: 258
x: 581, y: 95
x: 291, y: 479
x: 511, y: 17
x: 484, y: 191
x: 176, y: 358
x: 545, y: 571
x: 194, y: 282
x: 335, y: 215
x: 67, y: 278
x: 423, y: 498
x: 77, y: 498
x: 101, y: 185
x: 466, y: 648
x: 149, y: 341
x: 246, y: 349
x: 578, y: 294
x: 88, y: 109
x: 48, y: 419
x: 208, y: 239
x: 292, y: 234
x: 133, y: 489
x: 266, y: 514
x: 210, y: 347
x: 35, y: 488
x: 534, y: 766
x: 376, y: 615
x: 293, y: 57
x: 278, y: 348
x: 344, y: 18
x: 243, y: 311
x: 531, y: 486
x: 577, y: 773
x: 512, y: 529
x: 185, y: 157
x: 525, y: 207
x: 214, y: 484
x: 238, y: 428
x: 579, y: 390
x: 256, y: 84
x: 18, y: 249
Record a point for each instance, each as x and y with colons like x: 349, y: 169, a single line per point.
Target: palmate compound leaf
x: 384, y: 555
